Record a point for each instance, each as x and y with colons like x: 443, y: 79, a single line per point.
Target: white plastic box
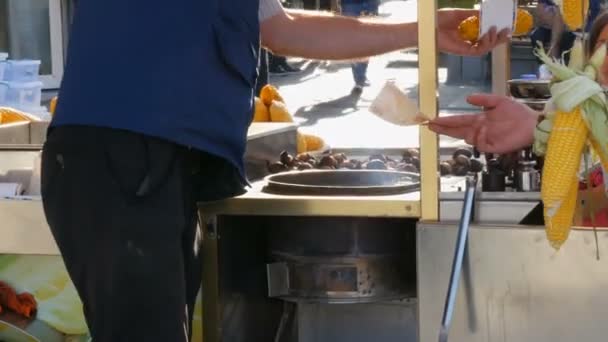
x: 3, y: 57
x: 20, y: 95
x: 25, y: 70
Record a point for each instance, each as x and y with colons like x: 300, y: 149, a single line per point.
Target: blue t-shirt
x: 182, y: 70
x: 594, y: 11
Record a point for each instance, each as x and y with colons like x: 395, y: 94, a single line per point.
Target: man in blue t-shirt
x: 152, y: 117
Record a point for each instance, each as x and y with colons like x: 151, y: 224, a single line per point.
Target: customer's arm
x: 503, y: 126
x: 325, y: 36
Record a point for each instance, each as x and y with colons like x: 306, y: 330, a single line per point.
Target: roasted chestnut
x: 410, y: 153
x: 445, y: 168
x: 305, y: 157
x: 462, y: 152
x: 349, y: 164
x: 286, y: 158
x: 460, y: 169
x: 416, y: 162
x: 476, y: 165
x: 277, y: 167
x: 305, y: 166
x: 380, y: 157
x: 340, y: 157
x: 409, y: 168
x: 463, y: 160
x: 376, y: 164
x: 328, y: 161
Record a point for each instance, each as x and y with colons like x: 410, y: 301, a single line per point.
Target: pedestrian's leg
x: 274, y: 65
x: 354, y: 10
x: 115, y: 205
x: 360, y: 73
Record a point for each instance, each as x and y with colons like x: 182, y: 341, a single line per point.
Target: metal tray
x: 529, y: 89
x: 342, y: 183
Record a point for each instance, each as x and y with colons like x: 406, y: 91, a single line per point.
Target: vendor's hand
x: 449, y: 40
x: 504, y: 126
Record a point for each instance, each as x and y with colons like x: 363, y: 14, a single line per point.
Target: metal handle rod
x: 463, y: 230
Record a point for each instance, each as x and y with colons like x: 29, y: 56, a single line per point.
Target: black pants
x: 262, y: 79
x: 122, y: 209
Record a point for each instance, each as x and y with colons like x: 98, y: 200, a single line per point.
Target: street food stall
x: 372, y: 255
x: 348, y: 255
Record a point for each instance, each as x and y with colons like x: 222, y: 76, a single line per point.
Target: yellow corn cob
x: 468, y: 29
x: 10, y: 115
x: 574, y: 12
x: 559, y: 188
x: 524, y: 22
x: 53, y: 105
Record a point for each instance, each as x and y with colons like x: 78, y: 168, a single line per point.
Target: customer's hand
x: 449, y: 40
x: 504, y: 126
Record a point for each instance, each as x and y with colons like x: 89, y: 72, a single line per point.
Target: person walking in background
x: 551, y: 30
x: 360, y: 8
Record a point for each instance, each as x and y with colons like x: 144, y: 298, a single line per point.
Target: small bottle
x: 544, y: 73
x: 528, y: 178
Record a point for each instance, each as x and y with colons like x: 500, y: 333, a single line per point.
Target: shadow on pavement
x: 330, y: 109
x: 310, y: 70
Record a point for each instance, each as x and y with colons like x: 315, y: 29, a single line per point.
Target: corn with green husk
x: 579, y: 119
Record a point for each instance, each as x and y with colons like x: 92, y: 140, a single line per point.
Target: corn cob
x: 559, y: 182
x: 53, y: 105
x: 468, y: 29
x: 578, y: 114
x: 10, y: 115
x: 574, y: 12
x: 524, y: 22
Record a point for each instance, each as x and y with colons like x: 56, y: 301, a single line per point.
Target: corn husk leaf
x: 570, y: 93
x: 574, y: 88
x: 577, y: 56
x: 541, y: 136
x: 558, y: 70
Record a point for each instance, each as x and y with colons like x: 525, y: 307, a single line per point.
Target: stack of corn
x: 53, y: 105
x: 270, y: 107
x: 11, y: 115
x: 578, y: 122
x: 574, y: 12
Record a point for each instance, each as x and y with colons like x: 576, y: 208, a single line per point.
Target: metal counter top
x: 256, y: 202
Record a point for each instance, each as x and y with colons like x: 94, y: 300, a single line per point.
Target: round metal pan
x: 342, y: 183
x: 530, y: 89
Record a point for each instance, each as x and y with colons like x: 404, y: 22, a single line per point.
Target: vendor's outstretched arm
x: 324, y: 36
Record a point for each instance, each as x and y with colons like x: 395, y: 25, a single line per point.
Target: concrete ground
x: 320, y: 96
